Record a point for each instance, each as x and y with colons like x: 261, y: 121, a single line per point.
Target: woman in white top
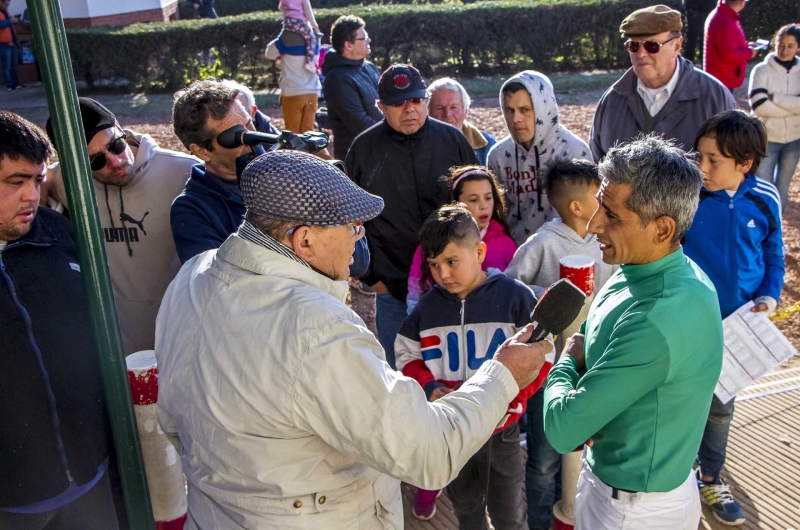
x: 775, y: 99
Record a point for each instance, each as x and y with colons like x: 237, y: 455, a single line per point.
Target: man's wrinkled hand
x: 523, y: 360
x: 439, y: 392
x: 574, y: 348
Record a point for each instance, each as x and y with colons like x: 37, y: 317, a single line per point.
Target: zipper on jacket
x: 465, y: 354
x: 51, y: 398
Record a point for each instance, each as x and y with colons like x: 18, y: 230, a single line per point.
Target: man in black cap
x: 54, y: 428
x: 135, y: 182
x: 278, y: 397
x: 662, y: 92
x: 401, y: 159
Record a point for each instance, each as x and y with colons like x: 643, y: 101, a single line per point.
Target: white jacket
x: 288, y: 415
x: 781, y: 116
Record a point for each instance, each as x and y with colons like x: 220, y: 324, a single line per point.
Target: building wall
x: 81, y: 13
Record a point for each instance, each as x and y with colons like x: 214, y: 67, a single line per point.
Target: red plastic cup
x: 579, y: 270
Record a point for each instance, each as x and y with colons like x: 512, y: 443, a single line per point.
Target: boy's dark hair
x: 739, y: 136
x: 567, y: 180
x: 344, y: 30
x: 193, y: 106
x: 513, y: 88
x: 452, y: 223
x: 21, y: 139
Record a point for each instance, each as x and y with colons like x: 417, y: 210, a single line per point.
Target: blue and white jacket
x: 445, y: 340
x: 737, y: 241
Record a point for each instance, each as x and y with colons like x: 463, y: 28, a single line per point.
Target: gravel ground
x: 577, y: 110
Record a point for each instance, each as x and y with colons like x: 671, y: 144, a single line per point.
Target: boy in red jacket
x: 456, y: 327
x: 726, y: 50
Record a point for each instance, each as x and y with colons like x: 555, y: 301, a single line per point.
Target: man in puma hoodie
x: 135, y: 182
x: 536, y: 139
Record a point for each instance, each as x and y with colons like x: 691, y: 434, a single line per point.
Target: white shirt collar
x: 655, y: 98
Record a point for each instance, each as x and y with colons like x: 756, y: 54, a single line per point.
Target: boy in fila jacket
x: 452, y: 331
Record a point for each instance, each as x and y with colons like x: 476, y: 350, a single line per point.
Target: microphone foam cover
x: 558, y: 307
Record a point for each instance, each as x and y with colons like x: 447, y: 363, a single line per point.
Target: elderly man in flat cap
x: 662, y: 93
x: 278, y: 398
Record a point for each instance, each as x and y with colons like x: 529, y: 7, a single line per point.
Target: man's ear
x: 381, y: 106
x: 200, y: 152
x: 665, y: 229
x: 303, y: 243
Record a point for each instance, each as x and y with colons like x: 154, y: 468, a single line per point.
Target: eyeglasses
x: 357, y: 227
x: 365, y: 37
x: 650, y: 46
x: 415, y: 101
x: 116, y: 147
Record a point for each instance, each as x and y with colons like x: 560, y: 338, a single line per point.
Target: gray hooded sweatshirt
x: 521, y: 170
x: 536, y: 262
x: 142, y: 259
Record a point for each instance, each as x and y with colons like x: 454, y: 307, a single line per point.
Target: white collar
x: 653, y: 93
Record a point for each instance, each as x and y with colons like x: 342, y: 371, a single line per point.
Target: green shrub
x: 481, y: 38
x: 226, y: 8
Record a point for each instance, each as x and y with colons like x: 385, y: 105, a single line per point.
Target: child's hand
x: 439, y: 392
x: 759, y: 308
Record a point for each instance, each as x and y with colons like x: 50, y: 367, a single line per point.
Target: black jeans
x: 94, y: 510
x: 505, y: 485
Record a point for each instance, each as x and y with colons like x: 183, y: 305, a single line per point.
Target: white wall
x: 96, y: 8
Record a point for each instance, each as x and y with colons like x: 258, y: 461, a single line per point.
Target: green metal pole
x: 62, y: 100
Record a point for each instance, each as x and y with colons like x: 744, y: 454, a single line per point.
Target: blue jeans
x: 711, y: 456
x: 542, y: 471
x: 389, y: 314
x: 9, y: 58
x: 779, y: 165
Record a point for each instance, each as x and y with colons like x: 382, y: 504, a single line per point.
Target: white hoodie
x: 520, y: 170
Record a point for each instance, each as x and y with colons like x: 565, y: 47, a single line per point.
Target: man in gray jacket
x: 662, y: 92
x: 135, y: 182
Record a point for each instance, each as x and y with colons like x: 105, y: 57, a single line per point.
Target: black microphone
x: 238, y: 136
x: 557, y: 308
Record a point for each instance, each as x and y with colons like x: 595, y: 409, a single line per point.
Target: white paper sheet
x: 753, y: 347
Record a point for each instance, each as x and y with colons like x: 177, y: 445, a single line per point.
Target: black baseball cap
x: 401, y: 82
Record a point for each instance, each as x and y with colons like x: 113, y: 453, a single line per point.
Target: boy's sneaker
x: 718, y: 497
x: 425, y: 504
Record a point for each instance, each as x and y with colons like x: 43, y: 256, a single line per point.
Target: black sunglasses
x: 650, y: 46
x: 415, y: 101
x: 116, y: 147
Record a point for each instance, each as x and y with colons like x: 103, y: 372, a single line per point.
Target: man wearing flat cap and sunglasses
x: 279, y: 399
x: 135, y: 182
x: 662, y: 93
x: 401, y: 159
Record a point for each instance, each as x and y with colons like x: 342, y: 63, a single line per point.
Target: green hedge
x: 476, y: 39
x: 227, y: 8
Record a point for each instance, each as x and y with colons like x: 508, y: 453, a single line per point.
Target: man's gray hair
x: 244, y: 92
x: 448, y: 83
x: 664, y: 180
x: 274, y: 228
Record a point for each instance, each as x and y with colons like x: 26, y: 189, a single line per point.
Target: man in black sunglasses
x: 662, y: 92
x: 135, y: 182
x: 401, y: 159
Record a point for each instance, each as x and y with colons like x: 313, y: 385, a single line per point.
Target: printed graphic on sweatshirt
x: 455, y: 353
x: 125, y: 233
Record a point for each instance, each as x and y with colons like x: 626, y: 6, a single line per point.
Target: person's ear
x: 575, y: 208
x: 665, y: 229
x: 480, y: 251
x: 303, y: 243
x: 381, y: 106
x: 745, y: 167
x: 200, y: 152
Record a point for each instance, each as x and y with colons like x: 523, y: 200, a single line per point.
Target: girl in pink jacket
x: 478, y: 189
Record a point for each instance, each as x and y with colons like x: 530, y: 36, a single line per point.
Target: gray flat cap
x: 302, y: 188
